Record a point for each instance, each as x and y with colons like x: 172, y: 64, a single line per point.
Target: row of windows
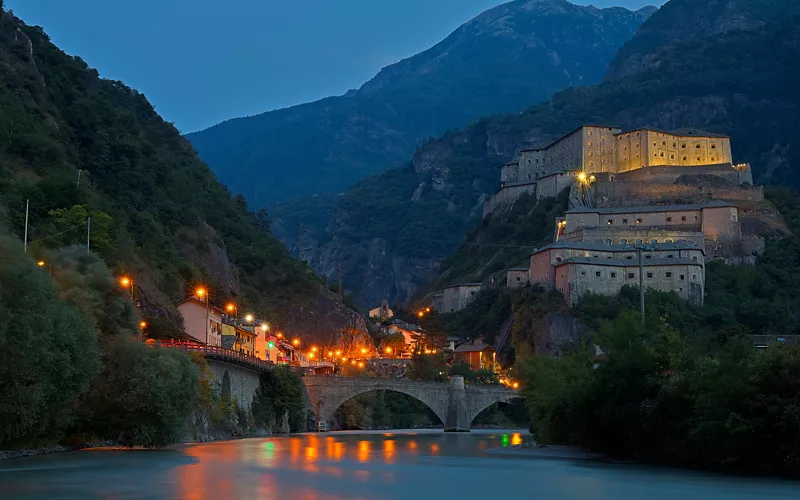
x: 627, y: 257
x: 649, y: 275
x: 639, y: 220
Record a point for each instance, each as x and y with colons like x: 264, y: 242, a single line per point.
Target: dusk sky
x: 203, y: 61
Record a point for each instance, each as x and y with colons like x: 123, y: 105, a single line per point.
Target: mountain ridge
x: 505, y: 59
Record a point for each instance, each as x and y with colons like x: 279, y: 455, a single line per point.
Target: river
x: 339, y: 466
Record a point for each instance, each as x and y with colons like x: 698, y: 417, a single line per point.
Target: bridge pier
x: 456, y: 417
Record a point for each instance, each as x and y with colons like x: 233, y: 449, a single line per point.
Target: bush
x: 143, y: 396
x: 48, y: 351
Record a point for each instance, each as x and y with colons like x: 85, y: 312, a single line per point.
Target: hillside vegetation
x: 158, y: 213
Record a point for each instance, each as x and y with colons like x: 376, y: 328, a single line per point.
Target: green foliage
x: 482, y: 376
x: 48, y: 351
x: 86, y: 283
x: 281, y: 392
x: 662, y: 397
x: 431, y: 367
x: 143, y: 395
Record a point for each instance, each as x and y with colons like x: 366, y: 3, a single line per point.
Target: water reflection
x: 348, y: 466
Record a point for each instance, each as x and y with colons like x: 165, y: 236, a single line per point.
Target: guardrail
x: 221, y: 354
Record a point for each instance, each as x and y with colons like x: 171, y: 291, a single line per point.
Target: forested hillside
x: 509, y: 57
x: 405, y: 222
x: 77, y: 145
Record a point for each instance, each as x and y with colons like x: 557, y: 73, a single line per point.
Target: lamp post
x: 42, y: 263
x: 201, y: 293
x: 640, y: 249
x: 127, y: 282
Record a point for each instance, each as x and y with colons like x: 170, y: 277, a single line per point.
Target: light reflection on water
x: 359, y: 466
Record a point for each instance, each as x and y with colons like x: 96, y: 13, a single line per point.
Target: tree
x: 282, y: 390
x: 143, y: 396
x: 48, y: 351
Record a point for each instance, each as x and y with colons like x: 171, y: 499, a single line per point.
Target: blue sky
x: 202, y: 61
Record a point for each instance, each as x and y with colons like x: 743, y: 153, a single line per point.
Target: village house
x: 456, y: 297
x: 477, y: 354
x: 201, y: 321
x: 239, y: 338
x: 518, y: 277
x: 381, y: 313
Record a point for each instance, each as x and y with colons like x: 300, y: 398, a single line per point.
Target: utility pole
x: 79, y: 177
x: 89, y: 233
x: 27, y: 206
x: 641, y: 284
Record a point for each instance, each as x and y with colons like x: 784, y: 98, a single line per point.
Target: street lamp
x: 249, y: 318
x: 388, y: 350
x: 265, y: 327
x: 42, y: 263
x: 201, y: 293
x: 296, y: 342
x: 363, y: 351
x: 127, y: 282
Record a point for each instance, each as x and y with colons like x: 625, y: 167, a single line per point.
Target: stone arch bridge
x: 455, y: 404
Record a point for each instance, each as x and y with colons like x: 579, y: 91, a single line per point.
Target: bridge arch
x: 328, y: 394
x: 479, y: 400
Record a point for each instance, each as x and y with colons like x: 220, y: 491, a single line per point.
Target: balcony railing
x: 221, y: 354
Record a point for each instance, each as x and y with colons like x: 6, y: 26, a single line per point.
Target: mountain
x: 509, y: 57
x: 77, y: 145
x: 391, y: 232
x: 681, y: 21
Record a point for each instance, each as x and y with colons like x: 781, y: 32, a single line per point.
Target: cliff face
x: 741, y: 84
x: 507, y: 58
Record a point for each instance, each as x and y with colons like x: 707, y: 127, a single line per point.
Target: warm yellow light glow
x: 200, y: 292
x: 421, y: 314
x: 265, y: 327
x: 311, y: 355
x: 427, y: 309
x: 582, y: 177
x: 338, y: 353
x: 125, y: 282
x: 330, y: 354
x: 314, y: 349
x: 363, y: 351
x: 249, y: 318
x: 344, y: 359
x: 515, y: 385
x: 40, y: 263
x: 296, y: 342
x: 230, y: 308
x: 142, y: 324
x: 427, y: 351
x: 361, y: 365
x: 353, y: 363
x: 388, y: 350
x: 280, y: 335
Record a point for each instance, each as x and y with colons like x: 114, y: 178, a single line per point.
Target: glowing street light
x: 200, y: 292
x: 582, y: 176
x: 142, y: 325
x: 264, y: 327
x: 126, y: 282
x: 388, y: 350
x: 338, y: 353
x: 296, y: 342
x: 249, y: 318
x: 361, y: 365
x: 40, y: 263
x: 231, y: 308
x: 515, y: 385
x: 314, y: 349
x: 421, y: 314
x: 279, y: 335
x: 330, y: 354
x: 311, y: 355
x: 363, y: 351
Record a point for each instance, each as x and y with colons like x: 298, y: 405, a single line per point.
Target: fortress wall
x: 506, y: 196
x: 615, y: 194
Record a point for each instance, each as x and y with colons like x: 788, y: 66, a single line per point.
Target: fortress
x: 619, y: 165
x: 665, y: 196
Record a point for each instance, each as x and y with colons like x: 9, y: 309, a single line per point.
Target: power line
x: 59, y: 234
